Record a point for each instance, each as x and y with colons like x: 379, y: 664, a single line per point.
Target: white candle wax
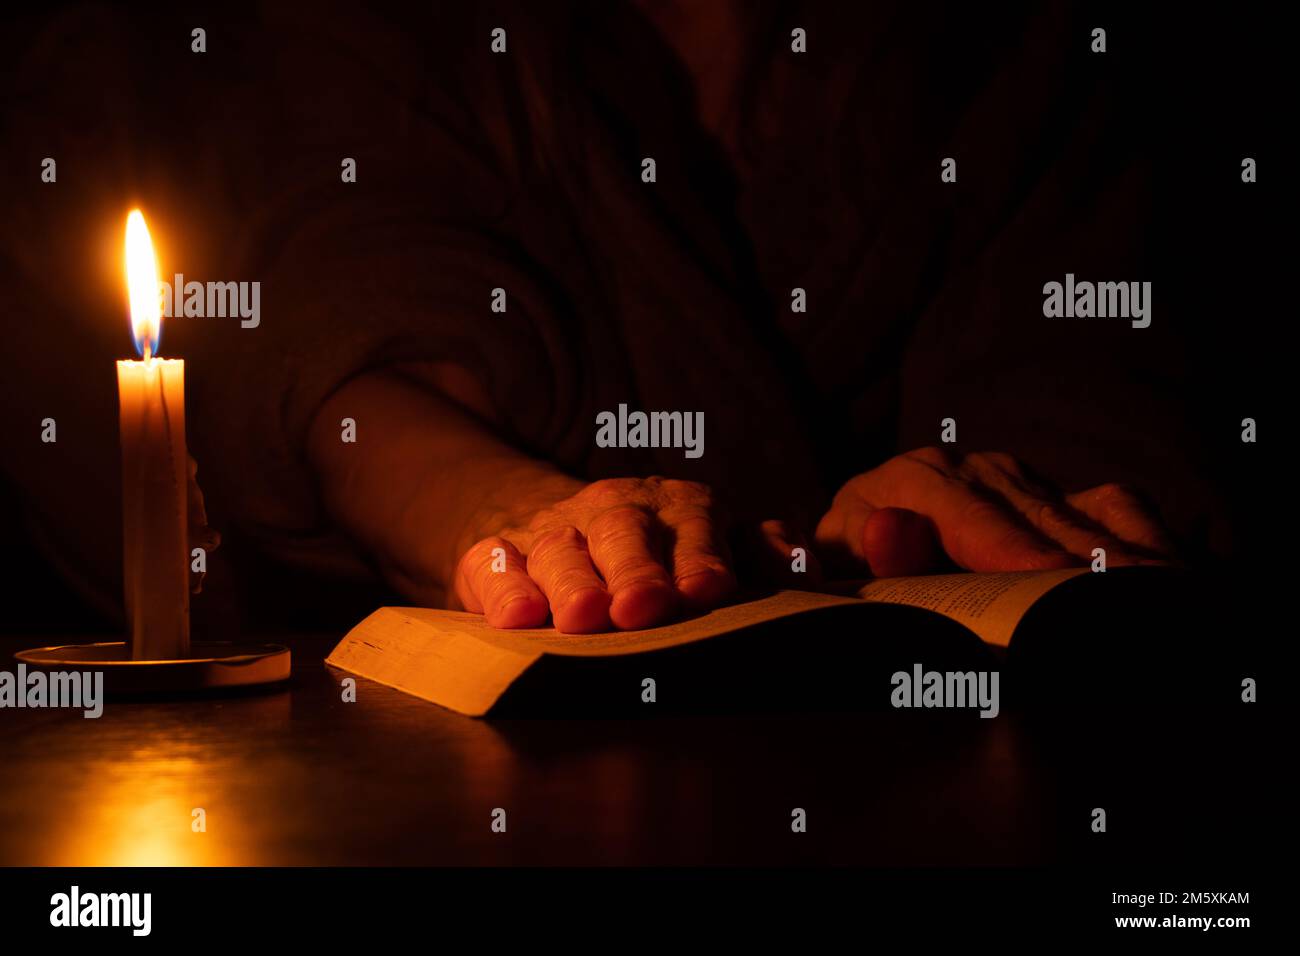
x: 155, y: 509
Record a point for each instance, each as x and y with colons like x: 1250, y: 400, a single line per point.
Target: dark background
x: 304, y: 780
x: 1200, y: 91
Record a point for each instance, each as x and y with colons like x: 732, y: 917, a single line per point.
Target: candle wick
x: 148, y: 350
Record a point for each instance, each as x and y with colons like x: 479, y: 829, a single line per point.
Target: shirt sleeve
x: 398, y: 266
x: 1071, y: 181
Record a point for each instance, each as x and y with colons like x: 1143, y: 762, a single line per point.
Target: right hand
x: 619, y: 553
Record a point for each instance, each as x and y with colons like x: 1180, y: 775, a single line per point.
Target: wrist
x: 501, y: 495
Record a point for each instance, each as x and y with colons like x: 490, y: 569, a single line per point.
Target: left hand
x: 985, y: 513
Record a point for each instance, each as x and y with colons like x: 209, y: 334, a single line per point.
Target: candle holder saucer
x: 214, y: 664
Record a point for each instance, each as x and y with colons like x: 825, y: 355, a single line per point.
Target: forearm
x: 425, y: 479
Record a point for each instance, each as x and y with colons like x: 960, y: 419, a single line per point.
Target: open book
x: 456, y: 660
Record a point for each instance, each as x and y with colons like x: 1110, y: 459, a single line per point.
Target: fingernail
x: 521, y: 609
x: 705, y: 587
x: 583, y: 611
x: 514, y: 598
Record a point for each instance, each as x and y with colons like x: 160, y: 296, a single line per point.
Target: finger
x: 898, y: 542
x: 785, y: 556
x: 1042, y: 507
x: 1122, y: 511
x: 883, y: 542
x: 838, y: 537
x: 701, y: 568
x: 979, y: 532
x: 623, y: 545
x: 558, y: 561
x: 491, y: 579
x: 984, y: 535
x: 200, y: 535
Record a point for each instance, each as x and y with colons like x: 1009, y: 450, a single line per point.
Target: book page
x: 720, y: 621
x: 456, y: 660
x: 431, y: 655
x: 991, y: 605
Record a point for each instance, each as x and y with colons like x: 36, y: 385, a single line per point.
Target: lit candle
x: 151, y: 396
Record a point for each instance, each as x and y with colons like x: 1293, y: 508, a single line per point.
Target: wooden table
x: 296, y: 776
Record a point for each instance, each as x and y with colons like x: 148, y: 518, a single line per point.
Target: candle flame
x: 142, y: 286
